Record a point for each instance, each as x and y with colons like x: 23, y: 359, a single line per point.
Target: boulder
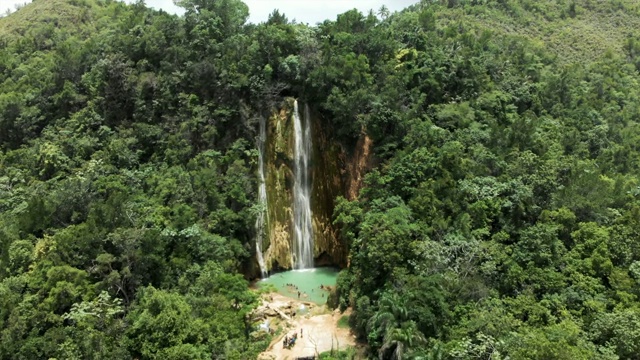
x: 270, y: 312
x: 266, y: 356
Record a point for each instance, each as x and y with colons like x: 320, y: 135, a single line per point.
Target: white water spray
x: 262, y: 198
x: 303, y: 233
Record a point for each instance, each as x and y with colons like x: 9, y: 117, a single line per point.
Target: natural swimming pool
x: 307, y: 282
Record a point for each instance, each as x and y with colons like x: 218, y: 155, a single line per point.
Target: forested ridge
x: 501, y: 218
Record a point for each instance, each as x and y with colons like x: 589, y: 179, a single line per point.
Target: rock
x: 258, y: 335
x: 266, y: 356
x: 270, y: 312
x: 257, y: 314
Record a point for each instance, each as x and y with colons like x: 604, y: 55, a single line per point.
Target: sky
x: 304, y: 11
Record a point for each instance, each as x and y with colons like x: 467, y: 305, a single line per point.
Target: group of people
x: 295, y: 287
x: 289, y: 341
x: 303, y: 294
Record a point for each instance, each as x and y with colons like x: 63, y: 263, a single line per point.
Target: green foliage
x: 161, y: 323
x: 125, y: 178
x: 500, y: 219
x: 343, y: 322
x: 349, y: 354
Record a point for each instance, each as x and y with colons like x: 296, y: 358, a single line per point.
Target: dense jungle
x: 484, y: 156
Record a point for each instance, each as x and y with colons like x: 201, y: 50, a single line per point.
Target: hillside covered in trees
x: 499, y: 219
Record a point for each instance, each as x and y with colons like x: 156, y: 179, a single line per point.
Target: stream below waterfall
x: 306, y: 281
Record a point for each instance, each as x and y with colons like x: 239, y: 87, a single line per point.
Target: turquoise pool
x: 307, y: 282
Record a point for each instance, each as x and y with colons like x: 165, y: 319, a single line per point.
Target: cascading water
x: 303, y: 234
x: 262, y: 198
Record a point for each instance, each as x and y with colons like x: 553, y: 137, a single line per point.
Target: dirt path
x: 320, y: 333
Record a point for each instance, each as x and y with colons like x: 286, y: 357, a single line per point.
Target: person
x: 301, y: 334
x: 285, y: 342
x: 298, y: 294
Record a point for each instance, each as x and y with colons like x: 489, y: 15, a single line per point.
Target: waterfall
x: 303, y: 234
x: 262, y: 198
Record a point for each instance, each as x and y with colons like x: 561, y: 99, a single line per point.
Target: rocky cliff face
x: 357, y: 165
x: 279, y: 180
x: 327, y: 183
x: 335, y: 172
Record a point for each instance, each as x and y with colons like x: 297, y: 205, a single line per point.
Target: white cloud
x: 166, y: 5
x: 10, y: 5
x: 314, y: 11
x: 309, y: 11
